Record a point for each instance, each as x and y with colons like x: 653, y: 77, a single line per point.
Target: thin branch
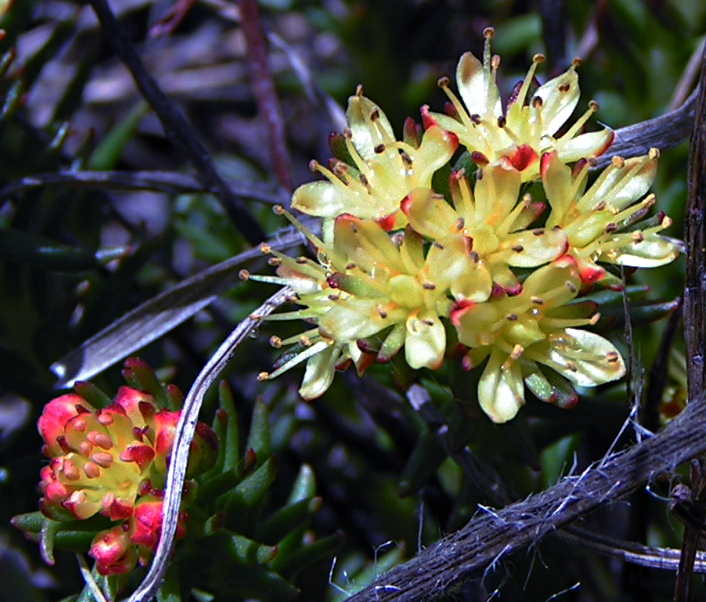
x: 695, y: 321
x: 175, y: 125
x: 664, y: 132
x: 265, y: 91
x: 182, y: 442
x: 492, y: 535
x: 170, y: 182
x: 695, y: 238
x: 655, y: 558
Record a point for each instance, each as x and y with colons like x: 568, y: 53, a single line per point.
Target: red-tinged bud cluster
x: 117, y: 550
x: 113, y: 462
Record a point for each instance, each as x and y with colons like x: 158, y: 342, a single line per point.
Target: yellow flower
x: 368, y: 284
x: 605, y: 223
x: 530, y: 123
x: 528, y: 336
x: 381, y: 171
x: 493, y: 217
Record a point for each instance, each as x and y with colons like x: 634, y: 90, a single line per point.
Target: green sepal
x: 291, y: 564
x: 563, y: 393
x: 427, y: 456
x: 227, y: 426
x: 241, y: 504
x: 605, y: 297
x: 140, y: 375
x: 65, y: 535
x: 285, y: 520
x: 304, y: 486
x: 92, y: 394
x: 47, y: 540
x: 259, y: 436
x: 242, y: 549
x: 213, y: 487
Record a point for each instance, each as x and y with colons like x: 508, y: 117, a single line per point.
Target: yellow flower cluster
x: 486, y: 267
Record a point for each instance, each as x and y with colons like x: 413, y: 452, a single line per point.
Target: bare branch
x: 494, y: 534
x: 628, y: 551
x: 170, y: 182
x: 664, y: 132
x: 695, y: 322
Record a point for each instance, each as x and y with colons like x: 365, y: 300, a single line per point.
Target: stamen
x: 517, y: 351
x: 275, y: 341
x: 91, y: 470
x: 593, y: 107
x: 522, y: 93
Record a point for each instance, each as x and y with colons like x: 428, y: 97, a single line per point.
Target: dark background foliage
x: 75, y: 257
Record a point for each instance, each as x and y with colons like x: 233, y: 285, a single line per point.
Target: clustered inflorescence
x: 113, y: 462
x: 478, y: 268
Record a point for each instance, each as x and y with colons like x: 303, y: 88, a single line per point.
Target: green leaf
x: 112, y: 145
x: 285, y: 520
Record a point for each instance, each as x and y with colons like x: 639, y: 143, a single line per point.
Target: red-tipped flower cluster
x: 113, y: 462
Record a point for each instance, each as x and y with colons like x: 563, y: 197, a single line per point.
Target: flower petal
x: 653, y: 251
x: 319, y: 373
x: 585, y: 358
x: 559, y: 99
x: 477, y: 87
x: 501, y: 388
x: 425, y: 342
